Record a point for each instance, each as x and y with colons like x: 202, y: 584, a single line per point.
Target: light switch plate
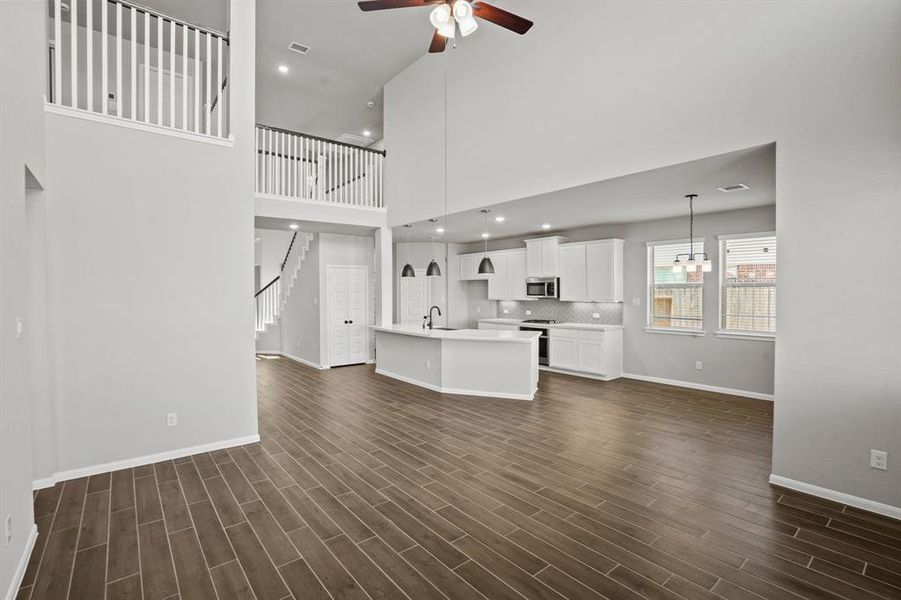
x: 171, y: 419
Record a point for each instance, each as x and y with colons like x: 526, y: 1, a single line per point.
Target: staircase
x: 272, y: 299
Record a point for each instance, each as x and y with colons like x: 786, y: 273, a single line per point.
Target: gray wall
x: 22, y: 76
x: 299, y: 323
x: 694, y: 81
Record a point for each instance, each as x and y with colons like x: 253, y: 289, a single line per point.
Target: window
x: 748, y: 284
x: 675, y: 300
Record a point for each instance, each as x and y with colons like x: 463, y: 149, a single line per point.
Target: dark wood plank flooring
x: 367, y: 488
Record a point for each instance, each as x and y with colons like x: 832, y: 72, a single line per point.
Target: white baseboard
x: 701, y: 386
x: 841, y: 497
x: 23, y: 564
x: 582, y: 374
x: 138, y: 461
x: 443, y: 390
x: 302, y: 361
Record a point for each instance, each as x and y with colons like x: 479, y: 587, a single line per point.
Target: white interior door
x: 414, y: 298
x: 348, y: 307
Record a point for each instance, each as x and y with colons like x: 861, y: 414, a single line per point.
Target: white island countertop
x: 594, y: 326
x: 474, y: 335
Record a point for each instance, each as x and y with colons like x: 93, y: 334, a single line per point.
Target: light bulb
x: 462, y: 10
x: 440, y: 16
x: 448, y: 30
x: 706, y: 265
x: 690, y: 265
x: 677, y: 266
x: 467, y: 26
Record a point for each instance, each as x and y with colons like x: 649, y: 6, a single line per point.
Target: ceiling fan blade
x: 501, y: 17
x: 368, y: 5
x: 439, y: 42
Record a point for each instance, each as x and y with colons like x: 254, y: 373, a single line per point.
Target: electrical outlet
x: 506, y: 311
x: 528, y: 313
x: 428, y: 365
x: 171, y: 419
x: 298, y: 343
x: 636, y: 301
x: 9, y: 529
x: 479, y: 309
x: 699, y: 366
x: 595, y: 315
x: 315, y: 300
x: 20, y: 328
x: 879, y: 459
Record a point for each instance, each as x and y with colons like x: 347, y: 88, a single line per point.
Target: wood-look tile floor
x: 363, y: 487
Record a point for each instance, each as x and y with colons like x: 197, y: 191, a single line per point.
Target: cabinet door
x: 533, y: 258
x: 591, y: 356
x: 572, y: 272
x: 563, y: 353
x: 466, y: 267
x: 605, y: 271
x: 516, y: 275
x: 497, y: 283
x: 549, y: 259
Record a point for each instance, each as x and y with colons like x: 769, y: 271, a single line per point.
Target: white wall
x: 22, y: 76
x: 271, y: 251
x: 609, y: 89
x: 150, y: 282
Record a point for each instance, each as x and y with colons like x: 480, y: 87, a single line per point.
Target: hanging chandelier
x: 694, y: 261
x: 408, y: 270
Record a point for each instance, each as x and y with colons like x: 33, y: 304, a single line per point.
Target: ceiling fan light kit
x: 448, y: 15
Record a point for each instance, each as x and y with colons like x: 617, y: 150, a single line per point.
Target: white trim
x: 302, y: 361
x: 79, y: 113
x: 746, y: 335
x: 701, y: 386
x: 19, y: 573
x: 652, y: 243
x: 742, y: 236
x: 689, y: 332
x: 45, y: 482
x: 841, y: 497
x: 380, y: 209
x: 577, y: 373
x: 147, y: 459
x: 443, y: 390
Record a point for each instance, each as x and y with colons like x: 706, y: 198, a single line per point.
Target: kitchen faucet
x: 429, y: 323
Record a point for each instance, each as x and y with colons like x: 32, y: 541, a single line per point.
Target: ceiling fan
x: 448, y: 15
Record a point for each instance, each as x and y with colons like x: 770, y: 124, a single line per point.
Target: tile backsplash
x: 567, y: 312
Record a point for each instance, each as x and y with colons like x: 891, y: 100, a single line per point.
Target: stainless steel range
x: 536, y: 325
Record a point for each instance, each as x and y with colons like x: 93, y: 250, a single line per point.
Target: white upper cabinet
x: 573, y: 280
x: 497, y: 283
x: 509, y: 279
x: 469, y: 266
x: 541, y: 256
x: 591, y: 271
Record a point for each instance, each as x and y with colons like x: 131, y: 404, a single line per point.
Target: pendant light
x: 408, y: 270
x: 433, y: 269
x: 486, y: 267
x: 693, y: 261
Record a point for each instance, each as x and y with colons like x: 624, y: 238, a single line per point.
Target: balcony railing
x: 113, y: 58
x: 303, y: 167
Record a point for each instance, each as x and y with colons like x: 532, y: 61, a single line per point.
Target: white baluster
x: 381, y: 183
x: 209, y: 80
x: 196, y: 81
x: 159, y: 70
x: 73, y: 49
x: 89, y: 52
x: 256, y: 160
x: 57, y: 52
x: 220, y: 93
x: 146, y: 67
x: 172, y: 73
x: 118, y: 60
x: 184, y: 77
x: 133, y: 74
x: 104, y: 55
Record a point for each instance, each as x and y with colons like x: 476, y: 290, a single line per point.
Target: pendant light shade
x: 486, y: 267
x: 434, y: 270
x: 408, y: 271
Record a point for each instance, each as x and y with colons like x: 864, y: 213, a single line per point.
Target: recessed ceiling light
x: 293, y: 226
x: 546, y: 226
x: 367, y: 133
x: 486, y: 235
x: 440, y: 230
x: 283, y: 69
x: 500, y: 219
x: 735, y: 187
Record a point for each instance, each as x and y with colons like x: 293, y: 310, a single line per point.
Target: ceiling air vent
x: 736, y: 187
x: 356, y: 140
x: 298, y: 47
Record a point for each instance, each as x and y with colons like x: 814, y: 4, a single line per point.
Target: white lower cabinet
x: 590, y: 351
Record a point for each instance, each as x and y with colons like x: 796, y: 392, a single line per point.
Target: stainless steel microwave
x: 544, y: 287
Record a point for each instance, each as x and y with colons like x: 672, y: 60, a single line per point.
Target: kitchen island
x: 471, y: 362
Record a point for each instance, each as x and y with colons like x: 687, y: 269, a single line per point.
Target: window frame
x: 700, y: 244
x: 739, y: 334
